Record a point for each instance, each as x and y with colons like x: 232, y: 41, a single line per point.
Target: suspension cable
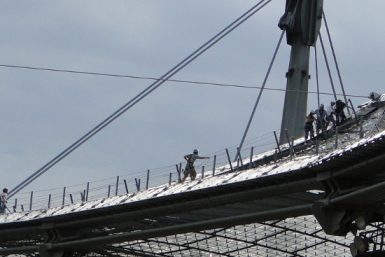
x: 141, y: 95
x: 328, y: 67
x: 259, y: 95
x: 335, y: 61
x: 316, y: 74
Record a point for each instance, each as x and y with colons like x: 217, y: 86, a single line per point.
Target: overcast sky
x: 44, y: 112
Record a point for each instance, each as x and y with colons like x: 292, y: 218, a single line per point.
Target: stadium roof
x: 261, y: 211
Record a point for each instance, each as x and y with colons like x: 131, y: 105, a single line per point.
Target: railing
x: 139, y: 180
x: 221, y: 161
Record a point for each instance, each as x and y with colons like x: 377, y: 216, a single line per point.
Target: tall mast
x: 302, y: 22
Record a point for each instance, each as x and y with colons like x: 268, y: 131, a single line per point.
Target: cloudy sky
x: 44, y: 112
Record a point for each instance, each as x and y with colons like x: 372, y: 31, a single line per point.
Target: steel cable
x: 316, y: 74
x: 141, y: 95
x: 335, y: 62
x: 260, y: 94
x: 328, y: 67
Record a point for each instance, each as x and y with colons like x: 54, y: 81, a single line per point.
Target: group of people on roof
x: 333, y: 115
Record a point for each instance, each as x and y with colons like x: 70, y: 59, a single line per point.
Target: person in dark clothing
x: 340, y: 114
x: 374, y: 96
x: 190, y: 169
x: 322, y: 120
x: 309, y: 125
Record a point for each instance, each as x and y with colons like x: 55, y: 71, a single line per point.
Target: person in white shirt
x: 330, y: 111
x: 3, y: 200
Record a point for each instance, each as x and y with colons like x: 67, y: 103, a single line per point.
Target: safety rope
x: 169, y: 80
x: 141, y: 95
x: 259, y: 95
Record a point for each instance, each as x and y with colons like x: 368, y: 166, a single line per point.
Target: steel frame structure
x: 141, y: 228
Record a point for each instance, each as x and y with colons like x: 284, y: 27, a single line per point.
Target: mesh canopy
x: 300, y: 236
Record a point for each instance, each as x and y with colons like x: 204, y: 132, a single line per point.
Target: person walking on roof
x: 190, y: 169
x: 340, y: 114
x: 321, y: 123
x: 330, y: 111
x: 309, y: 125
x: 3, y: 200
x: 374, y: 96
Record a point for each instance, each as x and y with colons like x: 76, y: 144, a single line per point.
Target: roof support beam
x: 191, y: 227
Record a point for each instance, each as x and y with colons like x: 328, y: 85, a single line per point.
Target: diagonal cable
x: 316, y: 74
x: 335, y: 61
x: 259, y: 96
x: 328, y: 67
x: 141, y: 95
